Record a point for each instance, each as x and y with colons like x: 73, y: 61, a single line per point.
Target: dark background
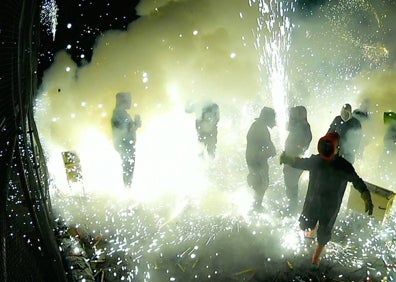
x: 89, y: 19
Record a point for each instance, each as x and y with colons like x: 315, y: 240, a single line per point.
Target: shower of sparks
x: 147, y: 242
x: 188, y: 218
x: 272, y: 41
x: 373, y: 53
x: 49, y: 16
x: 173, y: 228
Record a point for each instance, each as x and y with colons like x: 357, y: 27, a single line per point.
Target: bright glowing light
x: 68, y: 69
x: 100, y: 163
x: 292, y: 240
x: 180, y: 199
x: 49, y: 16
x: 145, y: 77
x: 273, y: 55
x: 241, y: 200
x: 174, y: 159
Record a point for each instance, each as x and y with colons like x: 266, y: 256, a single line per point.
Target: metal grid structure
x: 28, y: 248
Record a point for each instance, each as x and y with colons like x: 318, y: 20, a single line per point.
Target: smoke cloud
x: 183, y: 52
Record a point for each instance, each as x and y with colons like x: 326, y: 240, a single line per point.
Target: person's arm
x: 359, y: 185
x: 286, y: 159
x: 333, y: 125
x: 309, y: 137
x: 296, y: 162
x: 137, y: 121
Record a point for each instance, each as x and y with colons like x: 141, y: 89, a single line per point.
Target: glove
x: 285, y: 159
x: 368, y: 204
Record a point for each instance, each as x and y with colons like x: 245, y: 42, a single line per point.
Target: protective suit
x: 328, y: 175
x: 350, y: 130
x: 387, y: 160
x: 259, y: 149
x: 206, y: 127
x: 124, y: 134
x: 297, y: 143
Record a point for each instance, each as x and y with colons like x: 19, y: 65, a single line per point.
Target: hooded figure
x: 328, y: 176
x: 206, y: 126
x: 390, y: 134
x: 297, y: 143
x: 124, y: 134
x: 350, y: 130
x: 259, y: 149
x: 387, y: 159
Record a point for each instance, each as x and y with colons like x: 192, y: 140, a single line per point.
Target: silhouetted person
x: 328, y: 175
x: 206, y: 126
x: 258, y: 150
x: 297, y: 143
x: 363, y: 116
x: 350, y: 131
x: 124, y: 134
x: 389, y: 153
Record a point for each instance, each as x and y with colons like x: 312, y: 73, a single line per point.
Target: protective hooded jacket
x: 327, y: 183
x: 326, y: 188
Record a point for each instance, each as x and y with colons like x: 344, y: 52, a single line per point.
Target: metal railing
x: 28, y: 246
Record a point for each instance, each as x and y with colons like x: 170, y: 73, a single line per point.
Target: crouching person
x: 328, y: 177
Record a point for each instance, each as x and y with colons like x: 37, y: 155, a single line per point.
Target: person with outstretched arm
x: 328, y: 175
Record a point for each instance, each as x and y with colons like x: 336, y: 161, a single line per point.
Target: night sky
x: 81, y: 22
x: 88, y: 20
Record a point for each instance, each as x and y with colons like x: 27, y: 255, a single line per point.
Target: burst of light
x: 179, y: 199
x: 145, y: 77
x: 49, y: 16
x: 272, y: 41
x: 163, y: 155
x: 100, y: 163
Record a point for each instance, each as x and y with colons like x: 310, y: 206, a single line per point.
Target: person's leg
x: 291, y: 178
x: 262, y: 184
x: 211, y: 144
x: 254, y: 180
x: 308, y: 222
x: 317, y: 253
x: 325, y: 228
x: 128, y: 165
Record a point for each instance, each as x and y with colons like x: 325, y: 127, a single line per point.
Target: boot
x: 316, y: 254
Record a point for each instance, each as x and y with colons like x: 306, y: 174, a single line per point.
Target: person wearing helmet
x: 297, y: 142
x: 350, y: 130
x: 259, y: 149
x: 328, y: 175
x: 124, y: 134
